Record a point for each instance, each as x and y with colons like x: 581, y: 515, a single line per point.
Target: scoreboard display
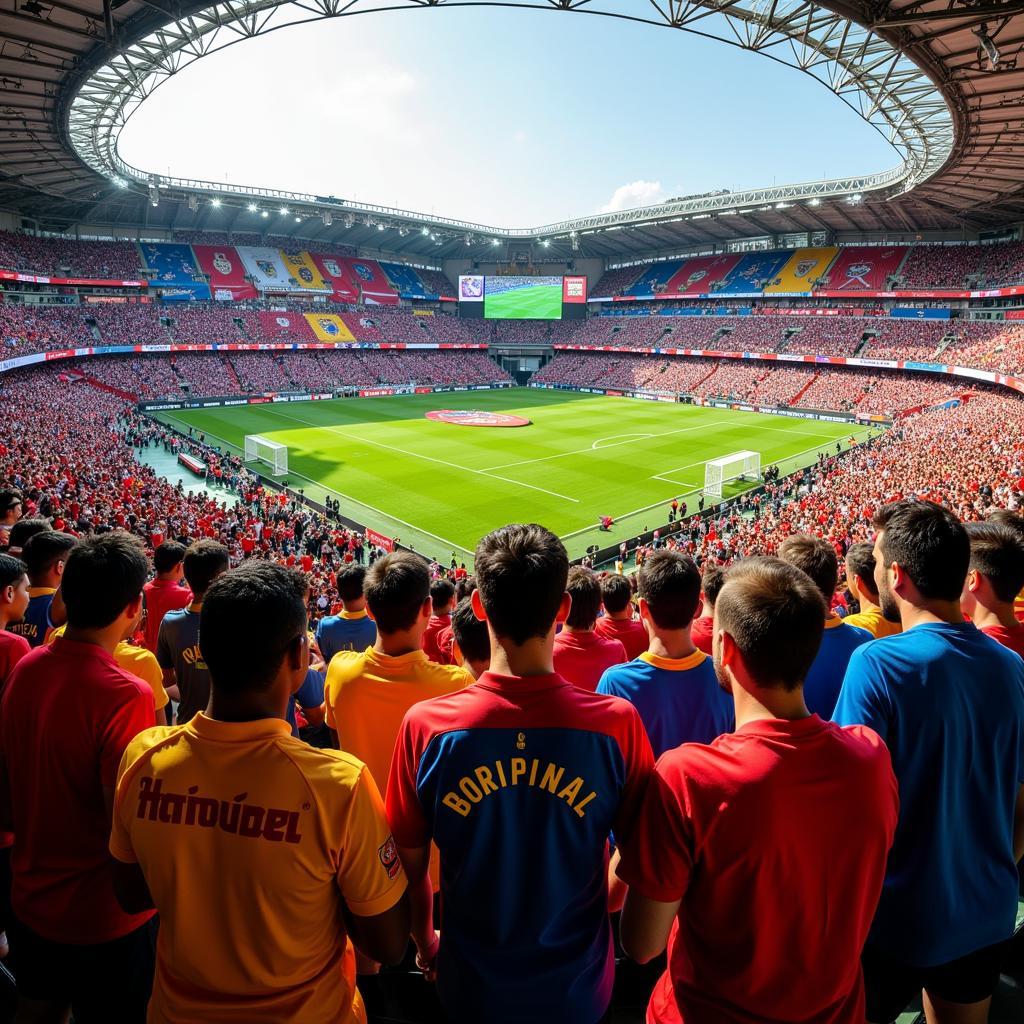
x: 514, y: 297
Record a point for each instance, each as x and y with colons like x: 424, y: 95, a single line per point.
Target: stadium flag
x: 802, y: 271
x: 379, y: 540
x: 266, y: 267
x: 173, y: 268
x: 329, y: 327
x: 281, y: 325
x: 335, y: 276
x: 304, y: 271
x: 224, y: 267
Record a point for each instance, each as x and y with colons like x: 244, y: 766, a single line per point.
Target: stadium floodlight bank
x: 260, y: 449
x: 738, y: 466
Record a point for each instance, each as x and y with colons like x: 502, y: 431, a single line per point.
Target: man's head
x: 265, y: 604
x: 11, y: 506
x: 22, y: 531
x: 13, y: 589
x: 711, y: 582
x: 471, y: 638
x: 617, y: 596
x: 398, y: 593
x: 442, y: 596
x: 996, y: 570
x: 817, y: 558
x: 351, y: 583
x: 860, y: 573
x: 585, y: 591
x: 922, y: 553
x: 169, y: 559
x: 46, y: 555
x: 669, y: 591
x: 103, y: 581
x: 1004, y: 517
x: 521, y: 573
x: 769, y: 620
x: 204, y: 561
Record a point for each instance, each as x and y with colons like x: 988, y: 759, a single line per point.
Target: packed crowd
x: 67, y: 257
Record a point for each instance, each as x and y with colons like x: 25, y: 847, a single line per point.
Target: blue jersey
x: 309, y: 695
x: 519, y: 782
x: 36, y: 624
x: 825, y: 679
x: 678, y: 699
x: 949, y: 703
x: 177, y: 647
x: 349, y: 631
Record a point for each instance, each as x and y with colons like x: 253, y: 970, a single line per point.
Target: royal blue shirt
x: 949, y: 703
x: 36, y: 624
x: 824, y: 680
x: 678, y: 699
x: 309, y: 695
x: 353, y: 631
x: 519, y: 782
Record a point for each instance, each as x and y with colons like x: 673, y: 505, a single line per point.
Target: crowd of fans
x: 67, y: 257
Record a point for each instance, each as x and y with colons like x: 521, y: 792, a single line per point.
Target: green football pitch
x: 441, y: 486
x: 537, y: 302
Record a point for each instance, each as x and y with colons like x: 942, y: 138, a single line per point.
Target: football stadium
x: 472, y: 552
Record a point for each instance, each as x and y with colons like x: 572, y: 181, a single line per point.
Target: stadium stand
x: 69, y: 257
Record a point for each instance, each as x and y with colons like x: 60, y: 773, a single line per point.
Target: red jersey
x: 12, y: 649
x: 1012, y: 638
x: 162, y: 596
x: 629, y: 632
x: 781, y: 829
x: 581, y: 656
x: 701, y: 633
x: 68, y: 713
x: 431, y: 636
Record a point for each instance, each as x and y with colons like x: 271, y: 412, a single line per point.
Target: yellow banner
x: 301, y: 267
x: 328, y: 327
x: 422, y: 312
x: 802, y: 270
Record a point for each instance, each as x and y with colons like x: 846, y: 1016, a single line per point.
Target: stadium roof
x: 939, y: 78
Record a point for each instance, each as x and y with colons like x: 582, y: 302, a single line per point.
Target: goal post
x: 261, y: 449
x: 718, y: 472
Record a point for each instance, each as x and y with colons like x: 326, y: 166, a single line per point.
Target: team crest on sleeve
x: 388, y: 855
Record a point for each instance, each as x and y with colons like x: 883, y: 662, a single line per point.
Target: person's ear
x: 426, y: 609
x: 134, y: 609
x: 973, y: 581
x: 697, y: 611
x: 564, y: 608
x: 478, y: 606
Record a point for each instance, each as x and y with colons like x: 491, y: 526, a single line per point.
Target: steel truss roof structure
x: 937, y: 78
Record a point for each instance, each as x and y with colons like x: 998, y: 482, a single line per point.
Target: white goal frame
x: 261, y: 449
x: 718, y: 472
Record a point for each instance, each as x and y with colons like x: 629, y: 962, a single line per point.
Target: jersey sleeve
x: 148, y: 670
x: 657, y: 858
x: 120, y: 834
x: 606, y: 685
x: 636, y: 748
x: 126, y: 720
x: 863, y: 699
x: 164, y: 654
x: 311, y: 693
x: 405, y: 812
x: 370, y: 874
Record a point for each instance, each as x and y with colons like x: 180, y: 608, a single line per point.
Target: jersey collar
x: 520, y: 684
x: 235, y: 732
x: 361, y: 614
x: 674, y: 664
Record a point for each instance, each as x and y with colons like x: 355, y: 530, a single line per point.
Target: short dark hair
x: 351, y: 581
x: 441, y: 593
x: 464, y: 587
x: 585, y: 591
x: 997, y: 552
x: 250, y: 617
x: 204, y: 561
x: 396, y: 587
x: 616, y: 592
x: 860, y: 562
x: 776, y: 616
x: 670, y: 584
x: 105, y: 573
x: 521, y: 572
x: 929, y: 543
x: 711, y: 582
x: 816, y: 557
x: 8, y: 499
x: 167, y: 555
x: 45, y: 548
x: 470, y: 633
x: 24, y: 529
x: 11, y: 570
x: 1002, y: 516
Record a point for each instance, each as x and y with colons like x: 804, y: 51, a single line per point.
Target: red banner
x: 378, y: 540
x: 13, y: 275
x: 224, y: 267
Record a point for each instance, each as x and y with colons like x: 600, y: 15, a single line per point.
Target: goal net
x: 739, y: 465
x: 270, y: 453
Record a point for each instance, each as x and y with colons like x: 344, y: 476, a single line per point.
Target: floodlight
x: 264, y: 214
x: 215, y: 202
x: 284, y: 211
x: 252, y: 207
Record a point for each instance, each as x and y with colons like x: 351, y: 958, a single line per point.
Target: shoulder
x: 618, y: 676
x: 323, y: 769
x: 140, y: 750
x: 345, y: 667
x: 13, y: 640
x: 450, y: 677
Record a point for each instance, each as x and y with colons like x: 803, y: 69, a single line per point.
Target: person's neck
x: 250, y: 709
x: 354, y: 606
x: 533, y: 658
x: 1000, y: 615
x: 168, y: 577
x: 763, y: 704
x: 394, y: 645
x: 6, y: 618
x: 933, y: 612
x: 671, y: 643
x: 626, y: 615
x: 46, y: 583
x: 107, y: 638
x: 867, y: 605
x: 579, y: 629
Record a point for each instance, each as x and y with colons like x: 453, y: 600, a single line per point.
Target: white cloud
x: 519, y: 137
x: 634, y: 194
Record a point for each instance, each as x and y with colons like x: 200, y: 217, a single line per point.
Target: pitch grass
x: 440, y: 486
x: 536, y: 302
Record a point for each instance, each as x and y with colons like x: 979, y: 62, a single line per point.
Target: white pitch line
x: 426, y: 458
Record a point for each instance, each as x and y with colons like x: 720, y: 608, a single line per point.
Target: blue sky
x: 510, y: 118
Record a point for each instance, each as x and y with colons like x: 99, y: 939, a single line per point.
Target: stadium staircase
x: 948, y: 339
x: 714, y: 369
x: 230, y: 367
x: 865, y: 340
x: 803, y: 391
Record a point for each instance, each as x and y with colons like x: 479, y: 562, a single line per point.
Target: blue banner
x: 175, y: 268
x: 919, y: 313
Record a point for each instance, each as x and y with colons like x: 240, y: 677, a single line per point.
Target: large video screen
x: 523, y: 298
